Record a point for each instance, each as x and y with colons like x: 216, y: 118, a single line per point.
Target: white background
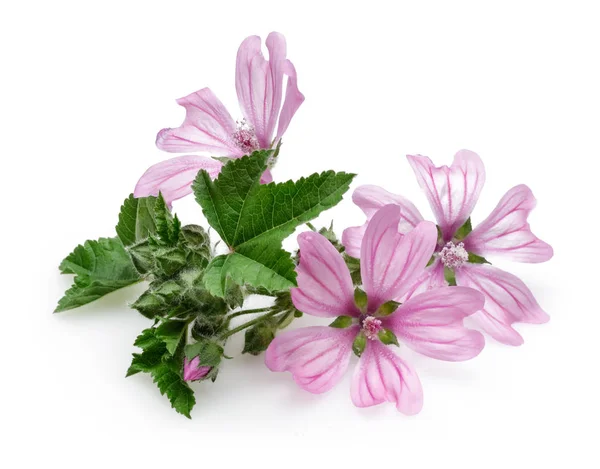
x: 85, y: 86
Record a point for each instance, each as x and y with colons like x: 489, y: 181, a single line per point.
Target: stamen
x: 245, y: 137
x: 454, y: 255
x: 371, y: 327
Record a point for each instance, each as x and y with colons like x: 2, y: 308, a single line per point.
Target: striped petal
x: 506, y: 232
x: 317, y: 357
x: 452, y: 191
x: 383, y: 376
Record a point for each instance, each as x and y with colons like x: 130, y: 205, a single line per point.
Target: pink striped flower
x: 430, y: 323
x: 452, y: 193
x: 210, y: 129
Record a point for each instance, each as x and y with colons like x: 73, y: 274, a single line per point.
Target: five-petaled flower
x: 430, y: 323
x: 452, y: 193
x: 209, y: 128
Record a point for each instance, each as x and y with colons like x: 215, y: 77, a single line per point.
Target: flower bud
x: 192, y: 371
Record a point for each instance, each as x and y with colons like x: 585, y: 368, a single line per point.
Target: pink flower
x: 192, y: 371
x: 209, y: 128
x: 452, y: 193
x: 430, y: 323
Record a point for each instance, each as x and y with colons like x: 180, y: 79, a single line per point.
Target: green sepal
x: 387, y: 337
x: 209, y: 352
x: 258, y: 338
x: 360, y: 299
x: 359, y: 344
x: 464, y: 230
x: 475, y: 259
x: 431, y: 261
x: 170, y: 259
x: 387, y: 308
x: 450, y: 276
x: 440, y: 237
x: 341, y: 322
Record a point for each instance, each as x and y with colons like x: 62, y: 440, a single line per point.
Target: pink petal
x: 293, y: 99
x: 452, y: 191
x: 207, y: 127
x: 266, y: 177
x: 259, y: 83
x: 383, y: 376
x: 352, y: 239
x: 432, y: 323
x: 507, y: 300
x: 390, y: 261
x: 174, y: 177
x: 431, y: 278
x: 317, y: 357
x: 370, y: 199
x: 192, y: 371
x: 506, y: 231
x: 324, y: 283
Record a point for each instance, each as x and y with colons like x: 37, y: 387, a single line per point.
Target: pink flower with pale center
x: 430, y: 323
x: 209, y: 128
x: 192, y: 371
x: 452, y: 193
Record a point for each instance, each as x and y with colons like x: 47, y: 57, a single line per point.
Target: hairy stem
x: 248, y: 324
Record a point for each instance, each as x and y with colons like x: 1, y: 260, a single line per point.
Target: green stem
x: 311, y: 226
x: 248, y: 324
x: 248, y: 311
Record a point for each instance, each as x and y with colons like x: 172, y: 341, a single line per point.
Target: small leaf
x: 464, y: 230
x: 475, y: 259
x: 170, y: 259
x: 359, y: 344
x: 387, y: 337
x: 167, y: 377
x: 450, y: 276
x: 341, y: 322
x: 387, y: 308
x: 360, y: 299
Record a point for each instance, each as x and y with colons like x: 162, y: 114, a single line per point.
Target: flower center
x: 245, y: 137
x: 454, y: 255
x: 371, y: 327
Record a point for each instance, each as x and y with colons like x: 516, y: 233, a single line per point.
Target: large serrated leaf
x: 101, y: 267
x: 253, y: 219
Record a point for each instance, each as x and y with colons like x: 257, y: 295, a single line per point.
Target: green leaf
x: 464, y: 230
x: 171, y: 333
x: 475, y: 259
x: 253, y: 219
x: 167, y: 377
x: 450, y: 276
x: 136, y: 220
x: 359, y: 344
x: 100, y: 267
x: 168, y: 227
x: 387, y: 337
x: 341, y: 322
x: 154, y: 350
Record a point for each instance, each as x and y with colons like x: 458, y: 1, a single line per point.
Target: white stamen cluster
x: 371, y: 327
x: 245, y: 137
x: 453, y: 255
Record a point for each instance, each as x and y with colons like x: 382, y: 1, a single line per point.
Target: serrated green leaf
x: 253, y: 219
x: 136, y: 220
x: 475, y: 259
x: 167, y: 377
x: 100, y: 267
x: 464, y: 230
x: 153, y: 352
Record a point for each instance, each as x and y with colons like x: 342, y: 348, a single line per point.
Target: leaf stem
x: 311, y: 226
x: 248, y: 324
x: 248, y: 311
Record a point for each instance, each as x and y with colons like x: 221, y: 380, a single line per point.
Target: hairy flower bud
x: 192, y: 371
